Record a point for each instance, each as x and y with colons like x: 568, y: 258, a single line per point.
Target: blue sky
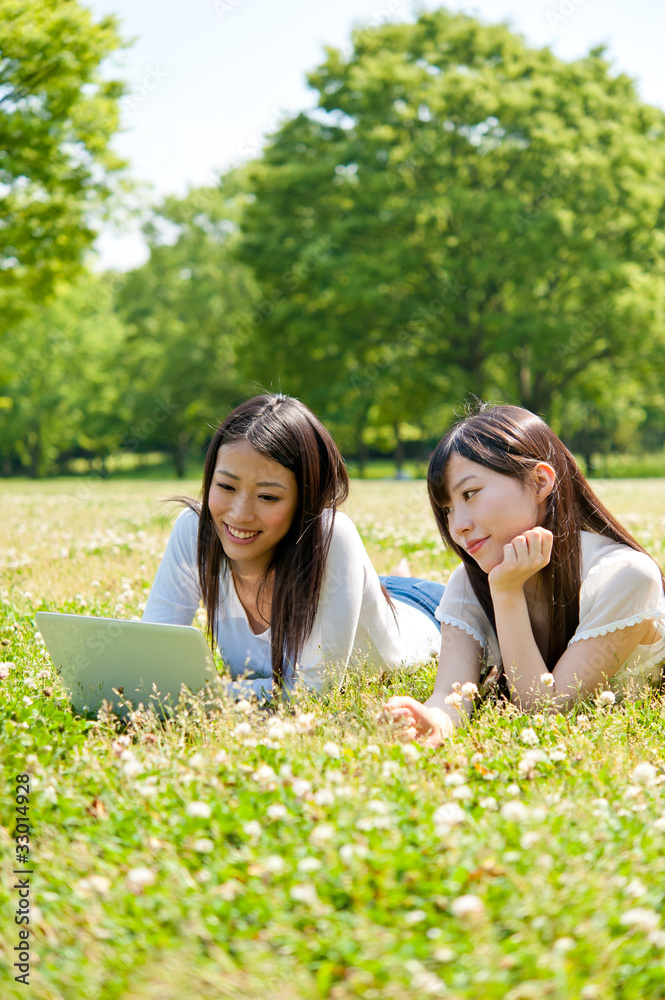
x: 207, y: 78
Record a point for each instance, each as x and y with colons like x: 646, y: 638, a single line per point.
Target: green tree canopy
x: 187, y: 314
x: 61, y: 399
x: 494, y: 216
x: 57, y: 116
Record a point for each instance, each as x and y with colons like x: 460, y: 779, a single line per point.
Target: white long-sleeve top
x: 354, y: 622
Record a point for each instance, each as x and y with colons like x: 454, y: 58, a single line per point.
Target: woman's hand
x: 429, y: 726
x: 522, y: 558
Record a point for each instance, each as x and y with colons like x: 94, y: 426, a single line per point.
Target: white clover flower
x: 49, y: 793
x: 95, y: 883
x: 322, y: 833
x: 563, y: 944
x: 454, y: 778
x: 514, y: 811
x: 513, y: 790
x: 547, y: 679
x: 455, y: 699
x: 276, y: 811
x: 424, y: 982
x: 414, y: 917
x: 644, y: 774
x: 242, y: 729
x: 140, y: 878
x: 373, y: 750
x: 324, y: 797
x: 656, y: 938
x: 449, y: 814
x: 264, y: 775
x: 641, y: 919
x: 220, y: 756
x: 309, y: 865
x: 304, y: 893
x: 529, y: 839
x: 410, y: 753
x: 635, y: 888
x: 5, y: 667
x: 348, y: 852
x: 132, y: 767
x: 199, y: 810
x: 469, y: 690
x: 274, y: 864
x: 606, y: 698
x: 197, y: 761
x: 489, y: 803
x: 469, y: 909
x: 203, y: 845
x: 582, y: 722
x: 252, y: 829
x: 659, y: 824
x: 231, y: 889
x: 390, y: 767
x: 305, y: 722
x: 331, y: 750
x: 529, y: 736
x: 461, y: 793
x: 378, y: 806
x: 276, y: 730
x: 301, y: 787
x: 244, y: 707
x: 527, y: 765
x: 559, y: 753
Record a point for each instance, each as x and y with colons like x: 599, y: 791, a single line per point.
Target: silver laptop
x: 144, y: 662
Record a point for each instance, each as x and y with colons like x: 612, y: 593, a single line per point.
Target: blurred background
x: 385, y: 209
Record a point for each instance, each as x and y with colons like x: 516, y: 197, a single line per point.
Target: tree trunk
x: 180, y: 455
x: 399, y: 452
x: 362, y: 456
x: 35, y: 455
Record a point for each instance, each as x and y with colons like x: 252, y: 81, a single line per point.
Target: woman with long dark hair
x: 552, y: 590
x: 285, y: 580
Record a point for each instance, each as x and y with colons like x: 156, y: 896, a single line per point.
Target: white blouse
x: 354, y: 622
x: 620, y: 587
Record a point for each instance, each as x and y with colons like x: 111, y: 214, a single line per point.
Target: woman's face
x: 252, y: 502
x: 487, y: 510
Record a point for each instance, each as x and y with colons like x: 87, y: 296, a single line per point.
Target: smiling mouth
x: 238, y: 535
x: 472, y: 547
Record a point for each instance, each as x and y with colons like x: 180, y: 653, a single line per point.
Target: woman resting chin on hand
x: 552, y: 589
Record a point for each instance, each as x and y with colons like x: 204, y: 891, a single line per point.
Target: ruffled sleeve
x: 461, y: 608
x: 620, y: 588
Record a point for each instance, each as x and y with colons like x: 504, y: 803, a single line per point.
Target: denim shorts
x: 422, y: 594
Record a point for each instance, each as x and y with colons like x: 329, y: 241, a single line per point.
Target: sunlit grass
x: 302, y: 853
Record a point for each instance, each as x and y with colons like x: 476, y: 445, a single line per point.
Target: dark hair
x: 285, y: 430
x: 512, y: 441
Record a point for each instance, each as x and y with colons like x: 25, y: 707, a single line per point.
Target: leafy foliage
x: 57, y: 115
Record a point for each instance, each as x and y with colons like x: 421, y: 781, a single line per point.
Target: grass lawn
x: 306, y: 854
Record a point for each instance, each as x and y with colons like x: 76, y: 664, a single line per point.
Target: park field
x: 304, y: 853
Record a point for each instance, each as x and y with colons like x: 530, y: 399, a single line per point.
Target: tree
x: 491, y: 209
x: 187, y: 312
x: 57, y: 116
x: 60, y: 399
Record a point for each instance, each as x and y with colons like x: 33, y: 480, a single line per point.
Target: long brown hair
x: 285, y: 430
x: 512, y: 441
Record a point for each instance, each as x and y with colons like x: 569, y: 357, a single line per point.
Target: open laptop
x: 95, y: 655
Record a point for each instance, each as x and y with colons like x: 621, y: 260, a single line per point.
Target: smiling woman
x: 552, y: 589
x: 288, y: 588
